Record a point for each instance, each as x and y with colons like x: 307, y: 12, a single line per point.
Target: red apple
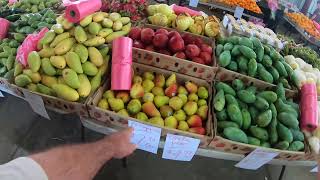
x: 206, y: 57
x: 135, y: 33
x: 180, y: 55
x: 173, y: 33
x: 198, y: 41
x: 162, y: 31
x: 149, y: 48
x: 160, y: 40
x: 198, y: 60
x: 176, y: 44
x: 147, y: 35
x: 206, y: 48
x: 138, y: 44
x: 192, y: 51
x: 163, y: 51
x: 188, y: 39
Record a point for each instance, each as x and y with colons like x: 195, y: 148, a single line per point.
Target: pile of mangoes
x: 34, y: 6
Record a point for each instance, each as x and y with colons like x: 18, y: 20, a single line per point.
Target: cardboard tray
x: 171, y: 63
x: 113, y: 119
x: 5, y: 84
x: 221, y: 144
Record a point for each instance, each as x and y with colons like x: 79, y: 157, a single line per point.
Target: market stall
x: 221, y: 88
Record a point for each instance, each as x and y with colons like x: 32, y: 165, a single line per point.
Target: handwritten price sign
x: 180, y: 148
x: 146, y: 137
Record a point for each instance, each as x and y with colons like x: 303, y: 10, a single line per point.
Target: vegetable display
x: 34, y: 6
x: 163, y: 15
x: 8, y: 50
x: 250, y: 57
x: 172, y: 43
x: 161, y: 100
x: 262, y: 118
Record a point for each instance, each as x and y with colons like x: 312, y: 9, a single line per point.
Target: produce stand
x: 234, y: 93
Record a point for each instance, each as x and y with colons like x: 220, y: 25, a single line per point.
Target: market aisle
x: 22, y: 132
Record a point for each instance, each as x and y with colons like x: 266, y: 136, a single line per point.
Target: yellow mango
x: 95, y: 56
x: 45, y: 90
x: 105, y: 32
x: 73, y: 61
x: 95, y: 41
x: 80, y: 34
x: 71, y: 78
x: 94, y: 28
x: 65, y: 92
x: 85, y: 86
x: 86, y: 21
x: 48, y: 37
x: 58, y: 62
x: 47, y: 67
x: 32, y: 87
x: 82, y: 52
x: 64, y: 46
x: 59, y: 38
x: 115, y: 35
x: 98, y: 17
x: 48, y: 80
x: 22, y: 80
x: 95, y: 82
x: 46, y: 52
x: 89, y: 69
x: 34, y: 61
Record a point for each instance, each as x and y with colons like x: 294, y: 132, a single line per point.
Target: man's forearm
x: 79, y: 162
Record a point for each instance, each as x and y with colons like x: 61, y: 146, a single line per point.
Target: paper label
x: 146, y: 137
x: 238, y: 12
x: 225, y: 21
x: 180, y: 148
x: 256, y: 159
x: 314, y: 170
x: 193, y: 3
x: 36, y: 103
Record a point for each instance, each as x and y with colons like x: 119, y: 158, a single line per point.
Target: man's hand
x: 121, y: 144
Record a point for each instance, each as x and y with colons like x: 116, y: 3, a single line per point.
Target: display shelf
x: 309, y: 38
x: 103, y: 129
x: 229, y: 9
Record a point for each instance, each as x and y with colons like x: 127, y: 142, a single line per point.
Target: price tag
x: 256, y: 159
x: 146, y: 137
x: 314, y: 170
x: 180, y: 148
x: 225, y: 21
x: 238, y: 12
x: 36, y: 103
x: 193, y: 3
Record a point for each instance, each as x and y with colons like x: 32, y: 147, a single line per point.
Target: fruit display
x: 249, y: 29
x: 250, y: 57
x: 173, y: 44
x: 314, y: 137
x: 303, y: 71
x: 135, y: 9
x: 162, y: 101
x: 34, y: 6
x: 262, y: 118
x: 8, y: 50
x: 32, y: 22
x: 163, y: 15
x: 305, y: 23
x: 11, y: 14
x: 71, y: 60
x: 250, y: 5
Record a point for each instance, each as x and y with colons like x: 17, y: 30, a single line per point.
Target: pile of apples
x: 172, y: 43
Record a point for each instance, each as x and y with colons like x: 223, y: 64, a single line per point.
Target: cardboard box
x: 222, y: 144
x: 113, y: 119
x: 171, y: 63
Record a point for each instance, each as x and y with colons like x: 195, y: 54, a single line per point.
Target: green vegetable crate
x: 250, y: 114
x: 113, y: 119
x: 175, y: 64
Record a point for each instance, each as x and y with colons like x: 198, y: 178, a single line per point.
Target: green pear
x: 161, y: 101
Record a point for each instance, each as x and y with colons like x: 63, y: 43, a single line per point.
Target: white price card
x: 36, y: 103
x: 193, y: 3
x: 180, y: 148
x: 146, y: 137
x: 238, y: 12
x: 256, y: 159
x: 225, y: 21
x: 314, y: 170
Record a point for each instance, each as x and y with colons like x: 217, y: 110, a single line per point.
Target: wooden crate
x: 113, y: 119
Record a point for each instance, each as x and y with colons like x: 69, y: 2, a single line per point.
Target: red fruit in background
x: 160, y: 40
x: 198, y: 130
x: 149, y: 48
x: 181, y: 55
x: 192, y: 50
x: 176, y: 44
x: 206, y: 57
x: 188, y: 39
x: 135, y: 33
x: 173, y: 33
x: 194, y: 121
x: 171, y: 90
x: 147, y: 35
x: 198, y: 60
x: 162, y: 31
x: 206, y: 48
x: 163, y: 51
x: 198, y: 41
x: 137, y: 44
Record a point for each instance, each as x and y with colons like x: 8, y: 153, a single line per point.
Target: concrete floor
x: 22, y: 132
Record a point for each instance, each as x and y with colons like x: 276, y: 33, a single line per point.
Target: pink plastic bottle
x: 309, y: 107
x: 121, y: 73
